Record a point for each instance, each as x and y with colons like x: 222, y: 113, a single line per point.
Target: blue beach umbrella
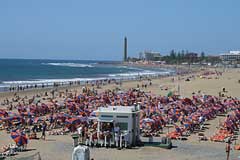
x: 12, y: 118
x: 19, y: 137
x: 28, y: 114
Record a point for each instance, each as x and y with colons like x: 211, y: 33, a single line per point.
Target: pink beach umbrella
x: 3, y: 113
x: 26, y: 114
x: 148, y: 120
x: 38, y: 119
x: 19, y: 137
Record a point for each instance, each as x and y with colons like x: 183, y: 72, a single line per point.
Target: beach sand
x: 60, y: 147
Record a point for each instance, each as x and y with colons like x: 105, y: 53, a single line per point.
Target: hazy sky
x: 95, y: 29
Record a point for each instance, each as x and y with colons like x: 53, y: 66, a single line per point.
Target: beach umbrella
x: 62, y: 115
x: 69, y: 100
x: 26, y: 114
x: 3, y: 113
x: 170, y: 94
x: 73, y: 121
x: 148, y: 120
x: 19, y: 137
x: 38, y: 119
x: 187, y: 100
x: 93, y: 114
x: 33, y: 108
x: 92, y: 118
x: 12, y: 114
x: 83, y: 119
x: 66, y: 115
x: 12, y: 118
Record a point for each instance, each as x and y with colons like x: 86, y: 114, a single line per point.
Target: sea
x: 22, y: 72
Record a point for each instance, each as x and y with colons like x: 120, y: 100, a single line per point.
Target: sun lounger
x: 8, y: 153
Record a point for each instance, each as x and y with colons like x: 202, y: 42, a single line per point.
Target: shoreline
x: 210, y: 85
x: 172, y: 70
x: 16, y: 86
x: 78, y: 88
x: 114, y: 82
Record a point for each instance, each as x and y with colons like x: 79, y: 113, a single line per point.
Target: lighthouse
x: 125, y: 49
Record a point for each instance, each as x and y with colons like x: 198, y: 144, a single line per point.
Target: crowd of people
x: 75, y: 112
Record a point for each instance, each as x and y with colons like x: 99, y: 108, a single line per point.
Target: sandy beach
x: 120, y: 80
x: 60, y: 147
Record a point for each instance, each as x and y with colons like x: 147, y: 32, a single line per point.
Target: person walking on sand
x: 44, y: 127
x: 228, y: 148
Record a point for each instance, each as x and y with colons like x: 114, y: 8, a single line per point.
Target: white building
x: 152, y: 56
x: 125, y: 117
x: 232, y: 56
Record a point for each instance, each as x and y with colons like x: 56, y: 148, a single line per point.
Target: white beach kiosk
x: 123, y: 119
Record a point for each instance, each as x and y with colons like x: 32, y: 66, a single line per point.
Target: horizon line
x: 56, y: 59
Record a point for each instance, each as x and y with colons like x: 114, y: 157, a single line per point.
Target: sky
x: 95, y: 29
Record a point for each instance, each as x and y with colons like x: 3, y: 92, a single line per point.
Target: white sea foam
x: 135, y: 74
x: 69, y: 64
x: 123, y: 76
x: 49, y: 81
x: 132, y: 68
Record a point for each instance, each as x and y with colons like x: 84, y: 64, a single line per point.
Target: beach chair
x: 19, y: 148
x: 8, y: 153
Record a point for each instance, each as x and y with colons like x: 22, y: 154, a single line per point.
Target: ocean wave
x: 130, y: 68
x: 136, y: 74
x: 69, y: 64
x: 49, y: 81
x: 117, y: 76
